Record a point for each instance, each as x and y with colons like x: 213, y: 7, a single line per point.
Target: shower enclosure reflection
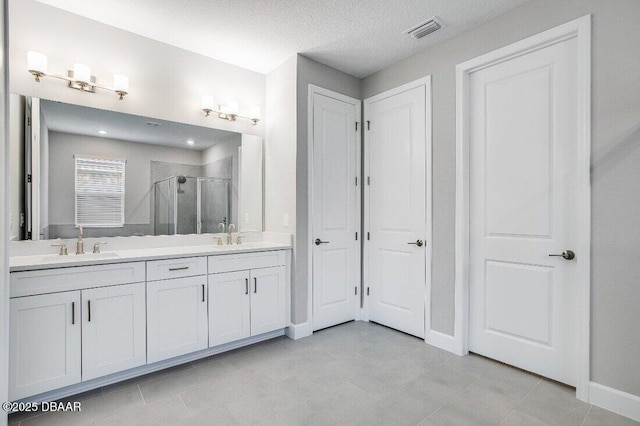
x: 192, y: 205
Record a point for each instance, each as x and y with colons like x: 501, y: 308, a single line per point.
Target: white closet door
x: 396, y: 151
x: 335, y: 193
x: 523, y: 171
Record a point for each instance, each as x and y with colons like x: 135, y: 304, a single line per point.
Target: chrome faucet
x: 80, y: 243
x: 232, y: 228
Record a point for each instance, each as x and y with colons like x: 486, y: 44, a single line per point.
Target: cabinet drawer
x: 176, y: 268
x: 244, y: 261
x: 30, y: 283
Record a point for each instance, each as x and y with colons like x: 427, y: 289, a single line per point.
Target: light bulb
x: 36, y: 62
x: 121, y: 83
x: 232, y: 107
x: 207, y: 102
x: 81, y: 73
x: 255, y: 112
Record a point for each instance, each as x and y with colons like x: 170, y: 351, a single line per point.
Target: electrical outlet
x: 285, y: 219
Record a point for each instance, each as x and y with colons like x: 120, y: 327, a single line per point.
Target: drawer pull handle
x: 255, y: 285
x: 203, y: 292
x: 73, y: 313
x: 182, y: 268
x: 89, y: 310
x: 246, y: 286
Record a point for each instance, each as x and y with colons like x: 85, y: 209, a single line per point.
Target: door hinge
x: 368, y: 236
x: 356, y: 289
x: 29, y: 178
x: 356, y: 180
x: 28, y: 121
x: 368, y: 125
x: 356, y: 236
x: 356, y: 126
x: 368, y: 180
x: 28, y: 235
x: 367, y: 291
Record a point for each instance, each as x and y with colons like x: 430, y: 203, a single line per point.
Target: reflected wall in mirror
x: 118, y: 174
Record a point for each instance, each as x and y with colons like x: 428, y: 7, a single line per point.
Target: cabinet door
x: 268, y: 299
x: 176, y: 317
x: 44, y: 343
x: 228, y: 307
x: 113, y: 329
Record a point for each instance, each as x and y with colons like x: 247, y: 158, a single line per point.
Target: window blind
x: 99, y: 192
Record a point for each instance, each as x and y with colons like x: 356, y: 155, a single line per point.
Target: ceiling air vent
x: 424, y: 29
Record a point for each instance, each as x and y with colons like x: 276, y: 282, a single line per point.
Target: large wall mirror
x: 118, y: 174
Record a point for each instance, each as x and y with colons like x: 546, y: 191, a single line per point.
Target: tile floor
x: 353, y: 374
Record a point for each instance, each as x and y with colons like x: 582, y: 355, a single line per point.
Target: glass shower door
x: 214, y: 203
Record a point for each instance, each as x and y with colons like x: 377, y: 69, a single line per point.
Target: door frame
x: 424, y: 81
x: 312, y: 91
x: 579, y: 29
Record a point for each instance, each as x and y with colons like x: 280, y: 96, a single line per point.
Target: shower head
x: 182, y: 179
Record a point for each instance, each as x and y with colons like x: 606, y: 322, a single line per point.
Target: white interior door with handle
x: 335, y: 203
x: 396, y: 206
x: 523, y: 171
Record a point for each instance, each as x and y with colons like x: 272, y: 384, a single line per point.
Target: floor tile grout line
x: 185, y: 405
x: 452, y: 398
x: 141, y: 394
x: 586, y: 415
x: 522, y: 400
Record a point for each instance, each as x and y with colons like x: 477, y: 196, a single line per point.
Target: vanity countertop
x: 50, y: 261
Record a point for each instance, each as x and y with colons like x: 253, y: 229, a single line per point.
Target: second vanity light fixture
x: 228, y: 111
x: 80, y: 78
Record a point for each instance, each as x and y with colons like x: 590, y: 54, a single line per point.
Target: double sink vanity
x: 79, y: 322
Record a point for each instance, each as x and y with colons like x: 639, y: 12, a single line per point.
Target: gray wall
x: 310, y: 72
x: 615, y: 336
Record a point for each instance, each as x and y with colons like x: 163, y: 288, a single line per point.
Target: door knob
x: 419, y: 243
x: 319, y: 241
x: 567, y: 254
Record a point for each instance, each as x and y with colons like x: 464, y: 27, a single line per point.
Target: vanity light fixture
x: 79, y: 78
x: 228, y: 111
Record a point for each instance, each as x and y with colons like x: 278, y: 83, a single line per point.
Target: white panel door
x: 229, y: 312
x: 176, y: 317
x: 114, y: 333
x: 44, y: 343
x: 523, y: 166
x: 335, y: 193
x: 396, y: 144
x: 267, y: 289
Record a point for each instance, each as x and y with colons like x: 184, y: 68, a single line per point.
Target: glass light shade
x: 121, y: 83
x: 37, y: 62
x: 255, y: 112
x: 207, y: 102
x: 81, y: 73
x: 232, y: 107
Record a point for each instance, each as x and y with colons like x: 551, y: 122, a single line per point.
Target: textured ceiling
x: 358, y: 37
x: 79, y: 120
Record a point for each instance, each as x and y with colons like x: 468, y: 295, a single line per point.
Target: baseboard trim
x: 298, y: 331
x: 611, y: 399
x: 443, y: 341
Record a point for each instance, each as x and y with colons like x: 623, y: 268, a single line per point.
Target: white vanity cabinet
x: 53, y: 341
x: 176, y: 308
x: 113, y: 329
x: 44, y: 343
x: 250, y: 299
